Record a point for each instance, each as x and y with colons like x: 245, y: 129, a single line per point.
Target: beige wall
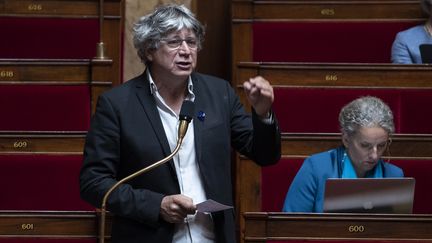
x: 134, y: 9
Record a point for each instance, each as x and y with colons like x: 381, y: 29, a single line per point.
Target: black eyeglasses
x: 175, y: 43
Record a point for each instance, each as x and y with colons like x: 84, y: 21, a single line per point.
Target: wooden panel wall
x: 39, y: 68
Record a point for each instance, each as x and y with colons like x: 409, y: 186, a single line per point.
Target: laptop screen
x: 426, y: 53
x: 369, y: 195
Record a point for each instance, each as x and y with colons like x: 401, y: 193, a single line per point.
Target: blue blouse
x: 306, y: 193
x: 405, y: 49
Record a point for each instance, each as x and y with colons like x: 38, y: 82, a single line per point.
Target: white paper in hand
x: 211, y: 206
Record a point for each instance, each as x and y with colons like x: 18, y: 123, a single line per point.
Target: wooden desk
x: 260, y: 227
x: 324, y: 10
x: 19, y: 12
x: 50, y: 224
x: 352, y: 75
x: 404, y: 146
x: 94, y: 73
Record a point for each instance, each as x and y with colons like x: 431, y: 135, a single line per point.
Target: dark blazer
x: 127, y: 134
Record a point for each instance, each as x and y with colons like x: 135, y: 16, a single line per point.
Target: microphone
x: 185, y: 117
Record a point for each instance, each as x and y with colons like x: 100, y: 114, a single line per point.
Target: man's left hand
x: 259, y: 92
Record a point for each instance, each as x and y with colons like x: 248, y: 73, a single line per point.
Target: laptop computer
x: 369, y: 195
x: 426, y: 53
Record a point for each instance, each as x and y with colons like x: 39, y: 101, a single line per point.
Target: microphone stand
x: 181, y: 133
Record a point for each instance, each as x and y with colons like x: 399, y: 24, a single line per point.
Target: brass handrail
x: 100, y: 49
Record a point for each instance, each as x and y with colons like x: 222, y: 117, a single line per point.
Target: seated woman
x: 405, y: 49
x: 366, y: 125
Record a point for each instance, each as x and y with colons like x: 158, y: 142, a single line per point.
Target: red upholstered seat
x: 56, y: 38
x: 45, y: 107
x: 421, y: 170
x: 41, y: 182
x: 338, y: 241
x: 316, y: 110
x: 416, y: 111
x: 321, y: 41
x: 277, y: 179
x: 45, y: 240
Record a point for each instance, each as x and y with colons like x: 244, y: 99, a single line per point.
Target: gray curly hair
x: 426, y: 6
x: 151, y: 28
x: 366, y: 111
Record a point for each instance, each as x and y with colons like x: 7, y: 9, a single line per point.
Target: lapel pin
x: 201, y: 115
